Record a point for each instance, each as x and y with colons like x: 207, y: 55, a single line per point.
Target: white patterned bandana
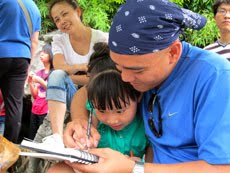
x: 145, y: 26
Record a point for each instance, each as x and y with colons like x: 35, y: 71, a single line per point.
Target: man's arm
x: 33, y: 49
x: 112, y: 161
x: 187, y: 167
x: 34, y: 43
x: 34, y: 46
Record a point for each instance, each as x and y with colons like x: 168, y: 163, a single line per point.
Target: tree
x: 210, y: 32
x: 99, y: 13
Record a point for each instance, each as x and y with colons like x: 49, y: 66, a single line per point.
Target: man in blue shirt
x: 17, y: 47
x: 186, y: 92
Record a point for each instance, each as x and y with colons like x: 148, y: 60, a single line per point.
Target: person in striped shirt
x: 221, y: 10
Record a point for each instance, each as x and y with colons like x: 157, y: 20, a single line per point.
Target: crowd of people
x: 158, y: 104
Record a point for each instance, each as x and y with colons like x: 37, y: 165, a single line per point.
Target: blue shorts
x: 60, y: 87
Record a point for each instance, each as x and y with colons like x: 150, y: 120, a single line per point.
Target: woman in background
x: 72, y: 50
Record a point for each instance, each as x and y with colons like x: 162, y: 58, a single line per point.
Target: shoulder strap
x: 27, y: 15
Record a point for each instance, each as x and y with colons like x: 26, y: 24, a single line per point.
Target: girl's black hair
x: 217, y: 3
x: 48, y: 49
x: 100, y: 59
x: 106, y: 90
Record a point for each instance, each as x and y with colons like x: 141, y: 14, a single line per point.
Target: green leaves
x: 98, y: 14
x: 210, y: 32
x: 47, y: 23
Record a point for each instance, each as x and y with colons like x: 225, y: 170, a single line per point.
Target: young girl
x: 2, y: 114
x: 38, y: 83
x: 114, y: 105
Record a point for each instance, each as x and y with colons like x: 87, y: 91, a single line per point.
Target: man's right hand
x: 75, y: 135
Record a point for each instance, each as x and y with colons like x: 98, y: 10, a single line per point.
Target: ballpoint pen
x: 89, y: 127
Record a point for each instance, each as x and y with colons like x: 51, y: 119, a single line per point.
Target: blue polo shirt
x: 195, y: 104
x: 15, y: 39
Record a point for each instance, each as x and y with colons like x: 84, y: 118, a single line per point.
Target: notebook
x: 40, y: 150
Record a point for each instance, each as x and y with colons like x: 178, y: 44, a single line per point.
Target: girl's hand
x: 30, y: 77
x: 37, y: 79
x: 136, y: 159
x: 75, y: 135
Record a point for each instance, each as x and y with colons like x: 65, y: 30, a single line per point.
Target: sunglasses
x: 152, y: 101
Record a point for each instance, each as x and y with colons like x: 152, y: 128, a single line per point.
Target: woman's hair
x: 48, y: 49
x: 217, y: 3
x: 72, y: 3
x: 106, y: 90
x: 100, y: 59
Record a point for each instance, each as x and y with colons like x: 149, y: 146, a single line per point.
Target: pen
x: 89, y: 126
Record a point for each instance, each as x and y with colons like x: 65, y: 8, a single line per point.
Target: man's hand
x: 110, y: 161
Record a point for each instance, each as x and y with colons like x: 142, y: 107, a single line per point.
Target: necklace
x: 222, y: 44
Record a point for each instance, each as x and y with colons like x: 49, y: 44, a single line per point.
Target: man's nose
x: 227, y: 13
x: 127, y: 75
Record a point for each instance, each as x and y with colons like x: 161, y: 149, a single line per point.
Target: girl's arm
x: 33, y: 89
x: 78, y: 105
x: 39, y: 80
x: 76, y: 129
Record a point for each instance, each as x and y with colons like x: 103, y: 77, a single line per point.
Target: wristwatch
x: 138, y: 167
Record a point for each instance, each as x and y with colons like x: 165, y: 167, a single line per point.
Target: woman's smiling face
x: 65, y: 16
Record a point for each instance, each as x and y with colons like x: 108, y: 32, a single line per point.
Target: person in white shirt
x: 71, y: 49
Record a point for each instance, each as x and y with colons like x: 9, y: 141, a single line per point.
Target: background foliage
x: 99, y: 13
x: 210, y: 32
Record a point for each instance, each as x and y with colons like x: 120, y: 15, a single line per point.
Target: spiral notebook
x: 40, y: 150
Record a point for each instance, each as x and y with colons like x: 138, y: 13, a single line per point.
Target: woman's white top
x: 61, y: 45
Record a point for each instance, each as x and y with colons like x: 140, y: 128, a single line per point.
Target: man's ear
x: 175, y: 52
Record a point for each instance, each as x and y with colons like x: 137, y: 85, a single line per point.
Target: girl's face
x: 44, y: 57
x: 65, y: 17
x: 117, y: 119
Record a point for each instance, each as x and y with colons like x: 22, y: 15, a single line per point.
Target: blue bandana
x: 145, y: 26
